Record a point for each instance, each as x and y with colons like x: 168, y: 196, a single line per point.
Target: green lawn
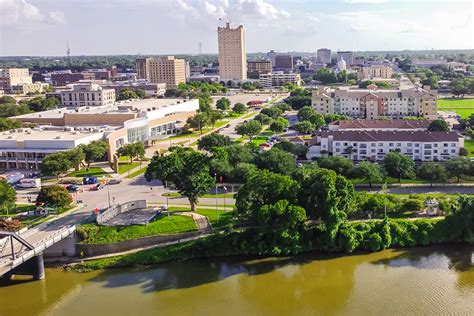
x: 225, y: 217
x: 124, y: 167
x: 172, y: 224
x: 220, y: 195
x: 136, y: 173
x: 204, y: 131
x: 390, y: 180
x: 19, y: 208
x: 469, y: 145
x: 463, y: 107
x: 258, y: 140
x: 92, y: 172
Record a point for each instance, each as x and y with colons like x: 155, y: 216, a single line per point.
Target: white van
x: 29, y: 183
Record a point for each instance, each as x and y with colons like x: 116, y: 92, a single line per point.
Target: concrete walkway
x: 202, y: 222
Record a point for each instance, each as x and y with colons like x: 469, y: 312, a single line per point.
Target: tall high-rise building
x: 168, y: 69
x: 283, y: 62
x: 232, y: 53
x: 324, y: 55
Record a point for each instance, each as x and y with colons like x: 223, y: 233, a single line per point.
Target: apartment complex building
x: 323, y: 55
x: 87, y: 94
x: 283, y: 62
x: 257, y: 67
x: 10, y: 77
x: 376, y: 72
x: 119, y: 124
x: 168, y: 70
x: 278, y: 79
x: 232, y: 53
x: 374, y: 145
x: 348, y: 56
x: 372, y: 104
x: 25, y: 88
x: 379, y: 125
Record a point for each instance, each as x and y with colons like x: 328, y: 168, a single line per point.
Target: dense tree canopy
x: 399, y: 166
x: 439, y: 126
x: 54, y: 195
x: 186, y: 169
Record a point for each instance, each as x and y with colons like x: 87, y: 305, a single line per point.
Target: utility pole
x: 68, y: 53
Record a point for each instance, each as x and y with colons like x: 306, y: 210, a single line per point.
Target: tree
x: 223, y: 104
x: 239, y: 108
x: 238, y: 154
x: 7, y: 195
x: 127, y: 150
x: 273, y: 112
x: 54, y: 195
x: 138, y: 149
x: 438, y: 126
x: 263, y: 119
x: 6, y: 99
x: 230, y: 83
x: 39, y: 104
x: 75, y: 157
x: 247, y: 85
x: 249, y: 129
x: 127, y: 94
x: 297, y: 102
x: 399, y: 166
x: 296, y: 149
x: 340, y: 165
x: 263, y: 188
x: 94, y: 151
x: 279, y: 125
x: 186, y: 169
x: 214, y: 116
x: 243, y: 171
x: 370, y: 172
x: 305, y: 113
x: 55, y: 164
x: 199, y: 121
x: 213, y: 140
x: 205, y: 102
x: 457, y: 167
x: 326, y: 76
x: 334, y: 117
x: 8, y: 124
x: 432, y: 172
x: 411, y: 205
x: 304, y: 127
x: 276, y: 160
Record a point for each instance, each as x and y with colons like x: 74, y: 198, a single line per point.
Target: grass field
x: 218, y: 219
x: 164, y: 225
x: 92, y: 172
x: 19, y: 208
x: 124, y: 167
x: 198, y: 133
x: 463, y: 107
x: 258, y: 140
x: 469, y: 145
x: 220, y: 195
x: 136, y: 173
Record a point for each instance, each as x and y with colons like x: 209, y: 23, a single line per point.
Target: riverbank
x: 369, y: 236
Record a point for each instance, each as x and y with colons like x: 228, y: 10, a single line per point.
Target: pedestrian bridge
x: 22, y: 253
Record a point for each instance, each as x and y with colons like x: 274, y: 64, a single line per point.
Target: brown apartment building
x: 256, y: 68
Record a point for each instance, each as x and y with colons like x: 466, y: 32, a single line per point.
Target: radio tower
x: 68, y: 53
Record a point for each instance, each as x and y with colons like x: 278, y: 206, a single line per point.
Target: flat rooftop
x: 121, y: 107
x: 25, y: 134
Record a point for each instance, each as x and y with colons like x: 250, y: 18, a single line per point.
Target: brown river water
x: 418, y: 281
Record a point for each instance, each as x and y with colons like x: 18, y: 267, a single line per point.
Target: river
x: 432, y: 280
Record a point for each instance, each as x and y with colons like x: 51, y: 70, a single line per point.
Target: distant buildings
x: 283, y: 62
x: 87, y: 94
x: 374, y: 145
x: 152, y: 89
x: 232, y: 53
x: 278, y: 79
x: 372, y: 104
x: 25, y: 88
x: 348, y: 56
x: 65, y: 78
x: 168, y: 69
x: 376, y: 71
x: 10, y: 77
x: 257, y: 67
x: 324, y: 55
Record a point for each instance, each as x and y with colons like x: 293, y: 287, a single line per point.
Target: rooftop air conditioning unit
x: 58, y: 137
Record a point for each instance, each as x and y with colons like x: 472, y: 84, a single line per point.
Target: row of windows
x: 365, y: 145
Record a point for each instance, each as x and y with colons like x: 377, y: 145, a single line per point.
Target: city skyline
x: 129, y: 27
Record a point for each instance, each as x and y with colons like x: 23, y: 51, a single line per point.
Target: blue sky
x: 99, y: 27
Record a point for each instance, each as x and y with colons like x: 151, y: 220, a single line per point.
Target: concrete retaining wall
x: 103, y: 249
x: 118, y: 209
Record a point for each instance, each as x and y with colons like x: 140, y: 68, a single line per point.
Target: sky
x: 113, y: 27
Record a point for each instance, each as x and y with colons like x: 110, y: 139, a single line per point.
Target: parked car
x: 89, y: 180
x: 228, y: 125
x: 72, y: 188
x: 114, y: 181
x: 98, y: 186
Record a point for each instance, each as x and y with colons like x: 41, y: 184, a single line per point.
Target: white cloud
x: 366, y: 1
x: 210, y: 11
x: 21, y: 14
